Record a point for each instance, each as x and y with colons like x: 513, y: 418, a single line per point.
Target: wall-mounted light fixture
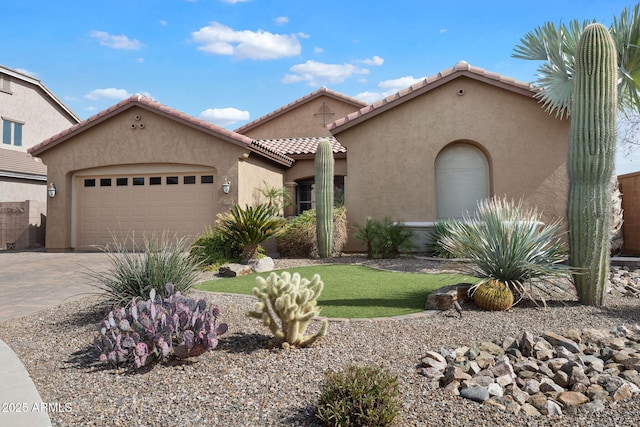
x: 226, y: 186
x: 51, y: 191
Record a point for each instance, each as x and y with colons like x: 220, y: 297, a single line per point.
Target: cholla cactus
x: 292, y: 300
x: 157, y: 329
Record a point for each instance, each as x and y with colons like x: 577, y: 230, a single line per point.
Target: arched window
x: 462, y: 179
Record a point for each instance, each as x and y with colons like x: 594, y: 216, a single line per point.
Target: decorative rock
x: 518, y: 395
x: 538, y: 400
x: 434, y: 360
x: 234, y: 270
x: 571, y: 398
x: 548, y: 385
x: 551, y: 409
x: 432, y: 373
x: 483, y: 381
x: 444, y: 298
x: 531, y: 386
x: 556, y: 364
x: 262, y: 265
x: 526, y: 365
x: 453, y: 374
x: 561, y: 378
x: 495, y: 389
x: 477, y: 393
x: 530, y: 410
x: 592, y: 407
x: 502, y: 367
x: 622, y: 393
x: 491, y: 348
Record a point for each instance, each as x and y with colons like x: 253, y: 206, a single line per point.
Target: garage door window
x: 89, y: 182
x: 172, y: 180
x: 105, y: 182
x: 122, y: 182
x: 206, y: 179
x: 138, y: 181
x: 191, y: 179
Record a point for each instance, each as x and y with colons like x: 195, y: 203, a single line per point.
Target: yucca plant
x: 440, y: 230
x: 509, y: 244
x: 135, y: 269
x: 249, y: 226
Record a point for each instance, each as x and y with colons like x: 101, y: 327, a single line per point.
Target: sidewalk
x: 31, y: 281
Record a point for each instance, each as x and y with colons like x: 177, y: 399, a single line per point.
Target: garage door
x: 134, y: 205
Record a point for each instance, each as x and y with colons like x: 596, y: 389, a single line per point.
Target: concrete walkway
x: 29, y: 282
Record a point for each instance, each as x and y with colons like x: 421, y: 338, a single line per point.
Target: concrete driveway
x: 33, y: 280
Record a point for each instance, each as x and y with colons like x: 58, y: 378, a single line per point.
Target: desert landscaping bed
x: 245, y: 383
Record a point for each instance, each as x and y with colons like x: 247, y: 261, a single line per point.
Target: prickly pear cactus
x: 324, y: 198
x: 157, y: 329
x: 591, y: 161
x: 493, y: 295
x: 292, y: 299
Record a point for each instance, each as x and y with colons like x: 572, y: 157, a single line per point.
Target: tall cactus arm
x: 324, y: 165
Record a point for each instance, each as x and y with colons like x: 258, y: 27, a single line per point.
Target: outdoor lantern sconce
x: 226, y: 186
x: 51, y: 191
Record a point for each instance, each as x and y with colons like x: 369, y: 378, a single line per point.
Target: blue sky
x: 232, y: 61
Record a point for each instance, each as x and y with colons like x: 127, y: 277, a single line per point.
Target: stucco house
x: 428, y: 152
x: 434, y: 149
x: 29, y: 112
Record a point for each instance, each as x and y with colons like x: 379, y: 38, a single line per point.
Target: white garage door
x: 135, y: 205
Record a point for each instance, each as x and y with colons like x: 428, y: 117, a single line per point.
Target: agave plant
x: 249, y: 226
x: 509, y: 244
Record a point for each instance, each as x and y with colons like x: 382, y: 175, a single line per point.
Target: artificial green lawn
x: 352, y: 291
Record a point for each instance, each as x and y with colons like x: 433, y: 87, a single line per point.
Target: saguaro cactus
x: 324, y: 197
x: 591, y: 161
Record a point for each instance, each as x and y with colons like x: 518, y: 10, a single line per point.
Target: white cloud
x: 375, y: 61
x: 315, y: 73
x: 163, y: 22
x: 281, y: 20
x: 318, y: 50
x: 116, y: 42
x: 224, y: 116
x: 108, y: 93
x: 443, y: 30
x: 369, y: 97
x: 219, y: 39
x: 389, y: 87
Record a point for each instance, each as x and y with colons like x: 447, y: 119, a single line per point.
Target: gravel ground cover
x: 245, y: 383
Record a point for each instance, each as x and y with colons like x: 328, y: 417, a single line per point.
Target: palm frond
x: 626, y: 34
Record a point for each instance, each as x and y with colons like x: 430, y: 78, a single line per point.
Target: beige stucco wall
x: 30, y: 105
x: 391, y: 158
x: 303, y: 121
x: 14, y: 190
x: 115, y: 142
x: 255, y: 175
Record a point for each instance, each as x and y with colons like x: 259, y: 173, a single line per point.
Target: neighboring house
x: 429, y: 152
x: 434, y: 149
x: 295, y: 130
x: 29, y: 112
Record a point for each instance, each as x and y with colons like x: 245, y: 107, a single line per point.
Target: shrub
x: 441, y: 229
x: 298, y: 236
x: 213, y: 248
x: 286, y: 304
x: 384, y: 239
x: 249, y: 226
x: 157, y: 329
x: 135, y: 271
x: 507, y: 243
x: 359, y: 396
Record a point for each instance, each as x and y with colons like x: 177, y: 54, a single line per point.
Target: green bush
x: 359, y: 396
x: 298, y: 236
x: 214, y: 249
x: 507, y: 242
x: 441, y: 230
x: 384, y: 239
x: 136, y: 270
x: 249, y: 226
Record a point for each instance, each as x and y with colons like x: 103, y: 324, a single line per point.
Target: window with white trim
x: 11, y: 132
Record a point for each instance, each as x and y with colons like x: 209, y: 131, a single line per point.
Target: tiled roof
x: 462, y: 68
x: 14, y: 163
x: 299, y: 146
x: 33, y: 81
x: 297, y: 103
x: 144, y: 102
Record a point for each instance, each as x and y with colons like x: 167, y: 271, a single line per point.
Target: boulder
x: 234, y: 270
x: 443, y: 298
x: 263, y: 265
